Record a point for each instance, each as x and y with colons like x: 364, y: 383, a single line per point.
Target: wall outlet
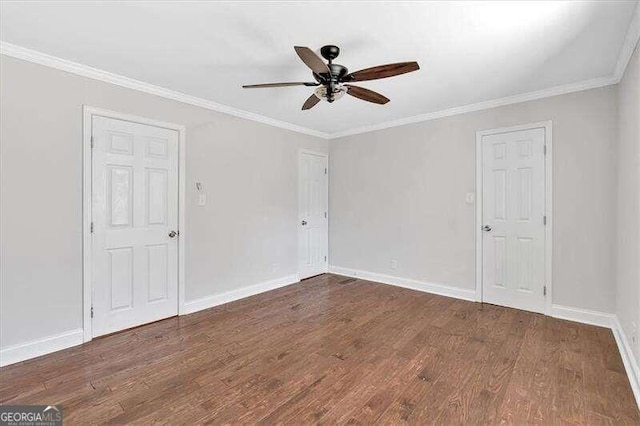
x: 394, y: 264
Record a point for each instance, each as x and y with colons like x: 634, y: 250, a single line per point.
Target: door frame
x: 88, y: 112
x: 302, y: 151
x: 548, y: 166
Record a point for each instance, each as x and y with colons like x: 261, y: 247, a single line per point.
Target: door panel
x: 156, y: 198
x: 157, y: 266
x: 513, y: 242
x: 120, y: 280
x: 119, y: 194
x: 135, y: 206
x: 312, y: 215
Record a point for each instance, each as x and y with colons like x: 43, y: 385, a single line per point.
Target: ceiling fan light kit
x: 331, y: 78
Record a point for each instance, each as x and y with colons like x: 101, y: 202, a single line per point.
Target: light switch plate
x: 470, y: 198
x: 202, y: 199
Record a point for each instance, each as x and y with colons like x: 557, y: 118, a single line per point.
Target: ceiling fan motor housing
x: 338, y: 72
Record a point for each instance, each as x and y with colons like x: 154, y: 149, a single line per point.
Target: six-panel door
x: 312, y: 215
x: 513, y: 208
x: 135, y: 208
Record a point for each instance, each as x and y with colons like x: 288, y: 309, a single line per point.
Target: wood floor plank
x: 337, y: 350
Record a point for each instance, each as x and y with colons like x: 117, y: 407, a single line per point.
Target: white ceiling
x: 469, y: 52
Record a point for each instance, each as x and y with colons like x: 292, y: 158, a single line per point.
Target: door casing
x: 87, y: 283
x: 548, y: 163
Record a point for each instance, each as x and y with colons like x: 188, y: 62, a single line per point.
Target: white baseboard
x: 47, y: 345
x: 440, y: 289
x: 585, y: 316
x: 609, y: 321
x: 241, y: 293
x: 628, y: 358
x: 35, y: 348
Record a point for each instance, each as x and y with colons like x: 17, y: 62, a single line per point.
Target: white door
x: 135, y: 216
x: 513, y: 209
x: 312, y: 215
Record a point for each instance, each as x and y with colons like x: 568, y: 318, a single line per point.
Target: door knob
x: 304, y: 222
x: 173, y: 234
x: 487, y: 228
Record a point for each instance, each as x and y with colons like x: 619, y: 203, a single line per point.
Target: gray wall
x: 248, y: 171
x: 628, y: 277
x: 400, y: 194
x: 396, y: 193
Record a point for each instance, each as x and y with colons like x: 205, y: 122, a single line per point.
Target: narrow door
x: 513, y: 214
x: 312, y: 216
x: 135, y: 219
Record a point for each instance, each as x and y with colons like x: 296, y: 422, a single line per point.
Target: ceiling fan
x: 331, y: 79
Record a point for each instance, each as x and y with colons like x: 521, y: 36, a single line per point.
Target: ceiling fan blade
x: 310, y: 102
x: 259, y: 86
x: 312, y: 60
x: 366, y: 94
x: 382, y: 71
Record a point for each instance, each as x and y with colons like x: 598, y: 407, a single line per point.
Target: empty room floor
x: 337, y: 350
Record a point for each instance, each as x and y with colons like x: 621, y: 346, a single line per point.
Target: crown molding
x: 628, y: 47
x: 23, y: 53
x: 494, y: 103
x: 631, y: 40
x: 630, y: 43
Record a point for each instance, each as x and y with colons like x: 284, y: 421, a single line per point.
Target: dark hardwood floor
x: 337, y: 350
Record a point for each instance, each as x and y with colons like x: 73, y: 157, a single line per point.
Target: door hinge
x: 92, y: 227
x: 544, y: 220
x: 325, y: 215
x: 92, y: 142
x: 545, y: 150
x: 325, y: 170
x: 325, y: 258
x: 544, y: 290
x: 92, y: 312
